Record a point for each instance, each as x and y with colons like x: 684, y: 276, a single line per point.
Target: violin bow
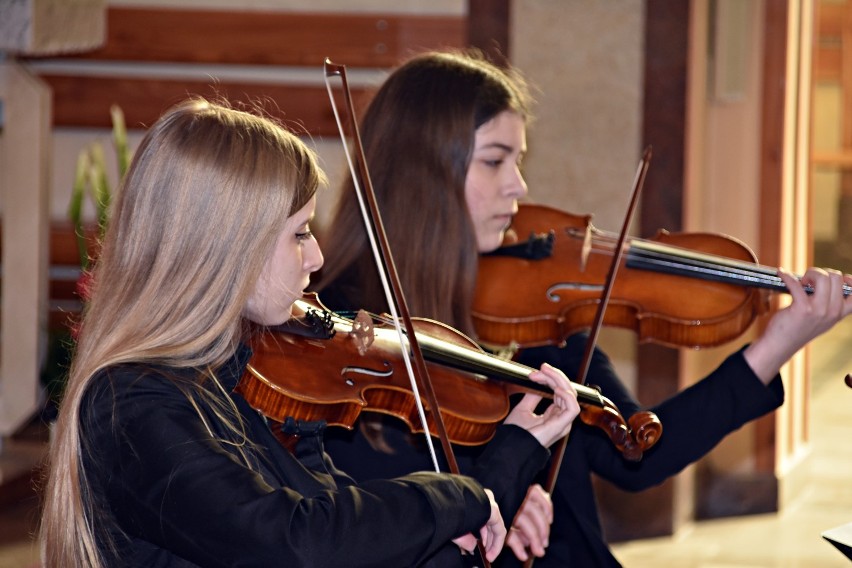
x: 559, y: 449
x: 420, y: 381
x: 638, y: 182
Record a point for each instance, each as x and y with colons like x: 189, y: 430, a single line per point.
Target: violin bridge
x: 508, y: 352
x: 363, y: 332
x: 587, y: 248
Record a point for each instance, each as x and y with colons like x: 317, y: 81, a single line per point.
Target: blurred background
x: 743, y: 101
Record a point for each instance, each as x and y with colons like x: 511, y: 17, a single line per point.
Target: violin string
x: 480, y: 362
x: 678, y: 260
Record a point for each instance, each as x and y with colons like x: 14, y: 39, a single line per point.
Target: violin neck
x: 492, y: 367
x: 647, y: 255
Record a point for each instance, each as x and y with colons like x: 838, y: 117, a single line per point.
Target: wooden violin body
x: 325, y: 367
x: 528, y: 302
x: 330, y: 378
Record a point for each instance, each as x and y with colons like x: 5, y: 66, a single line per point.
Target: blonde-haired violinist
x: 156, y: 461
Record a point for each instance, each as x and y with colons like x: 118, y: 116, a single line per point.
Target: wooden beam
x: 831, y: 22
x: 664, y: 127
x: 831, y: 17
x: 488, y: 28
x: 233, y: 37
x: 828, y: 63
x: 84, y: 101
x: 772, y: 106
x: 841, y: 159
x: 271, y: 38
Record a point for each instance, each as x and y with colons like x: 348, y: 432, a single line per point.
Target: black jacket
x: 721, y: 403
x: 173, y: 491
x: 694, y: 421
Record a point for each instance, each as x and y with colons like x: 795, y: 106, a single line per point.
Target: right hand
x: 492, y: 534
x: 531, y: 528
x: 555, y: 422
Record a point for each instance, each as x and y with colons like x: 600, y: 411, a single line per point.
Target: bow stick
x: 420, y: 380
x: 559, y: 448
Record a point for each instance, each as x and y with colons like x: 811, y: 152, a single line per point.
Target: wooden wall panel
x: 829, y: 41
x: 146, y: 39
x: 271, y: 38
x: 84, y: 101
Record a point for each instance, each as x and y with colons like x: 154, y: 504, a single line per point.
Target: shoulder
x: 123, y: 381
x: 132, y: 392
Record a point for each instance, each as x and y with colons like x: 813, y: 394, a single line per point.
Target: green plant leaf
x: 119, y: 137
x: 75, y: 207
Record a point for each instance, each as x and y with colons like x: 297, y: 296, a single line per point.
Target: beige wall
x: 584, y: 57
x: 826, y: 180
x: 726, y: 127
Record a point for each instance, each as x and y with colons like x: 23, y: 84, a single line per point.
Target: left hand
x: 531, y: 528
x: 555, y: 422
x: 807, y: 317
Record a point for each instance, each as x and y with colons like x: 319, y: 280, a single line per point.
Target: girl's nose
x: 313, y: 259
x: 517, y: 186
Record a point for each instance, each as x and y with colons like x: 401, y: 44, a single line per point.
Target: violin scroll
x: 631, y: 438
x: 613, y: 426
x: 646, y: 428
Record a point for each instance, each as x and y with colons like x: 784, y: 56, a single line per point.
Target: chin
x: 285, y: 317
x: 490, y: 244
x: 271, y: 319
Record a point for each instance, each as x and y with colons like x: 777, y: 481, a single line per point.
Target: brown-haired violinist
x: 444, y: 138
x: 156, y: 461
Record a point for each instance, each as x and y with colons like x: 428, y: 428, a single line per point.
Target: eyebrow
x: 307, y: 221
x: 498, y: 145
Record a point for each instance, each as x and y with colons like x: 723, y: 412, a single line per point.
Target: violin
x: 703, y: 289
x: 320, y: 365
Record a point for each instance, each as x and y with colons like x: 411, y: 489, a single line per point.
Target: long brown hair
x: 195, y: 219
x: 418, y: 135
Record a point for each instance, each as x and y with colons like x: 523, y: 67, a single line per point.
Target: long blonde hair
x: 193, y: 223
